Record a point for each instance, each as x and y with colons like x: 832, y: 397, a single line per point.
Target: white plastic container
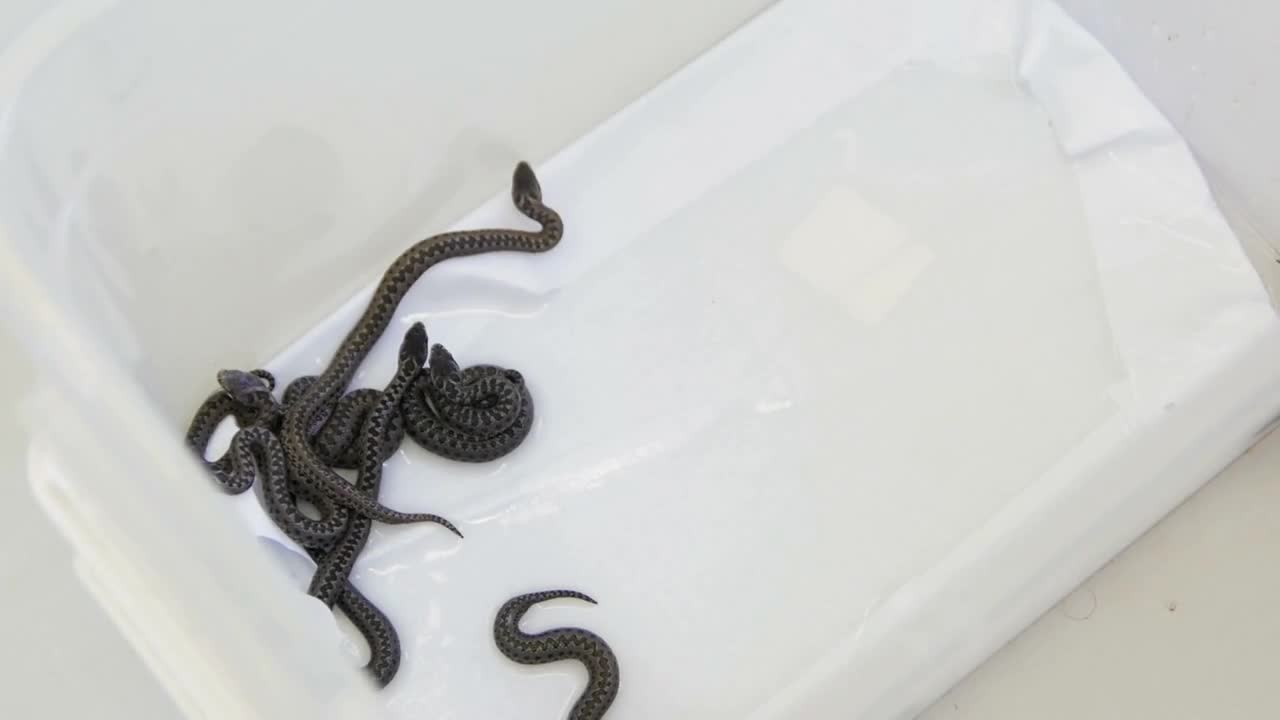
x: 188, y: 187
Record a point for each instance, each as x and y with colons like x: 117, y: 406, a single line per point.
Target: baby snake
x: 603, y: 677
x: 333, y: 569
x: 330, y: 583
x: 311, y: 470
x: 473, y: 415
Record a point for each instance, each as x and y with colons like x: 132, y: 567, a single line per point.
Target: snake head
x: 413, y: 348
x: 524, y: 183
x: 443, y: 366
x: 245, y: 387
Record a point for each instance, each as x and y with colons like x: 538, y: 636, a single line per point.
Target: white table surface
x: 1182, y: 625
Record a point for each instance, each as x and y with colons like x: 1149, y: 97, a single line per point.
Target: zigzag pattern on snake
x: 603, y: 675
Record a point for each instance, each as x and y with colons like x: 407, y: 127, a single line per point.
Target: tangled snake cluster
x: 294, y: 446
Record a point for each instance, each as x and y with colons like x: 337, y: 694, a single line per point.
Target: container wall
x: 1210, y: 69
x: 205, y: 181
x: 185, y: 186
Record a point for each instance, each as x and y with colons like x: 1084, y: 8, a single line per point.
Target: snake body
x: 473, y: 415
x: 373, y: 624
x: 335, y: 428
x: 218, y: 407
x: 310, y: 468
x: 253, y: 446
x: 255, y: 450
x: 335, y: 567
x: 335, y: 434
x: 603, y: 678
